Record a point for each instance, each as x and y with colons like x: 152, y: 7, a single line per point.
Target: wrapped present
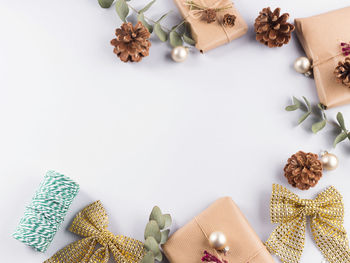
x: 193, y: 242
x: 321, y: 37
x: 212, y: 22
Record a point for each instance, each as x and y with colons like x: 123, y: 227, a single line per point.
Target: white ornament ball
x: 302, y: 65
x: 217, y: 240
x: 179, y: 54
x: 329, y: 161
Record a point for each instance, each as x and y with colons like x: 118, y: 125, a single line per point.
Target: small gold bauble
x: 329, y: 161
x: 302, y: 65
x: 217, y: 240
x: 179, y: 54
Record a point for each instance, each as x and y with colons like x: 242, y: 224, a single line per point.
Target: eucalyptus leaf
x: 152, y: 245
x: 148, y: 258
x: 340, y: 120
x: 159, y: 256
x: 321, y: 106
x: 175, y: 39
x: 341, y: 137
x: 304, y: 117
x: 141, y: 18
x: 291, y: 108
x: 152, y: 230
x: 105, y: 3
x: 316, y: 127
x: 165, y: 235
x: 157, y: 216
x: 168, y: 220
x: 148, y: 6
x: 296, y: 102
x: 188, y: 40
x: 163, y: 16
x: 122, y: 9
x: 161, y: 34
x: 307, y: 103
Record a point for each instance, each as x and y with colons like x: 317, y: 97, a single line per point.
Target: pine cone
x: 229, y: 20
x: 209, y: 15
x: 342, y: 72
x: 132, y: 42
x: 272, y: 29
x: 303, y: 170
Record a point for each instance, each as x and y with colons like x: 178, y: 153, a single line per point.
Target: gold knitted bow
x: 92, y: 223
x: 326, y: 214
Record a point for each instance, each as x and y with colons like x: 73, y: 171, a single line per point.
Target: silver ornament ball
x: 329, y: 161
x: 217, y: 240
x: 179, y: 54
x: 302, y: 65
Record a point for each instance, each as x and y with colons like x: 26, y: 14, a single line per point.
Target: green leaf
x: 307, y: 103
x: 157, y: 216
x: 148, y: 258
x: 148, y: 6
x: 304, y: 117
x: 168, y: 220
x: 341, y: 137
x: 165, y: 235
x: 152, y: 230
x: 161, y: 34
x: 122, y: 9
x: 296, y: 102
x: 341, y: 122
x: 105, y: 3
x: 159, y: 256
x: 319, y: 126
x: 141, y: 18
x: 152, y: 245
x: 188, y: 40
x: 163, y: 16
x: 175, y: 39
x: 291, y: 108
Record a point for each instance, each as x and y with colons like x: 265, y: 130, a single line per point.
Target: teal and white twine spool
x: 44, y: 215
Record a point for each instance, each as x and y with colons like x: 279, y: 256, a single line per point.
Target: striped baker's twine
x: 47, y: 210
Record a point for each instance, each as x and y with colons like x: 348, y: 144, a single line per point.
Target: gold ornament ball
x: 217, y: 240
x: 302, y: 65
x: 329, y: 161
x: 179, y: 54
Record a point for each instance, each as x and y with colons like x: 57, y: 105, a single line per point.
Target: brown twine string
x: 196, y: 13
x: 317, y: 63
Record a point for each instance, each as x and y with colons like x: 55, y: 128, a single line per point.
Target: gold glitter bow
x: 92, y: 223
x: 326, y: 214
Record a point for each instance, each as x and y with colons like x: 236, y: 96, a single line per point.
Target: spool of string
x: 44, y: 215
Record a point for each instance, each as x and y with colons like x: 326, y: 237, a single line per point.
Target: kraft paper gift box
x: 188, y: 244
x: 320, y: 37
x: 212, y: 35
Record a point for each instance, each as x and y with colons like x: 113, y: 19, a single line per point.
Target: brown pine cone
x: 209, y: 15
x: 229, y: 20
x: 272, y: 29
x: 342, y: 72
x: 132, y: 42
x: 303, y: 170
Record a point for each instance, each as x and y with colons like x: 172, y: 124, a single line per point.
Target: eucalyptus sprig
x: 177, y: 35
x: 156, y: 234
x: 308, y: 109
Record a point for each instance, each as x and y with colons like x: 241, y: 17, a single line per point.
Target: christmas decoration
x: 342, y: 72
x: 229, y: 20
x: 132, y: 42
x: 272, y: 29
x: 303, y: 170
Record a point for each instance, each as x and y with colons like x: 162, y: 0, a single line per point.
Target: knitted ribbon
x: 44, y: 215
x: 98, y: 242
x: 326, y: 214
x: 196, y: 11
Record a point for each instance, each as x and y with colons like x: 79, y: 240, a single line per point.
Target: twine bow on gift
x: 326, y: 214
x: 197, y: 10
x: 98, y: 242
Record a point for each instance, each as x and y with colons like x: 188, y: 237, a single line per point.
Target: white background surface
x: 136, y: 135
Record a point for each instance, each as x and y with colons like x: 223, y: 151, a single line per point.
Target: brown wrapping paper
x: 209, y: 36
x: 188, y: 243
x: 320, y: 37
